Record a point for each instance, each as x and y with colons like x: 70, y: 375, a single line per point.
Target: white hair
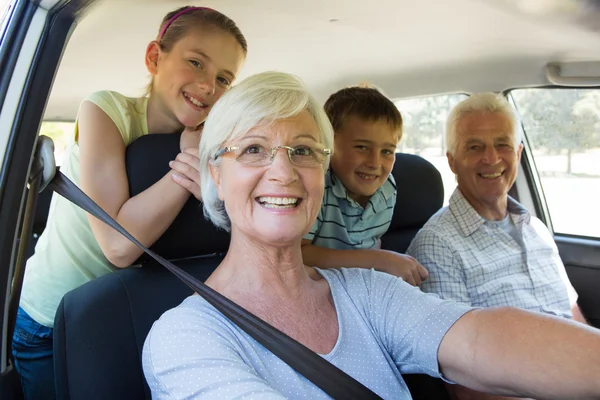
x: 258, y: 100
x: 480, y: 102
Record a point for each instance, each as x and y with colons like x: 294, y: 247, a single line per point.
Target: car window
x: 62, y: 133
x: 424, y: 132
x: 563, y: 131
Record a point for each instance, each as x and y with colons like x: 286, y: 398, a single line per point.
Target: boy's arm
x: 403, y: 266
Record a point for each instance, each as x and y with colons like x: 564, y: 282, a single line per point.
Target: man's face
x: 486, y: 158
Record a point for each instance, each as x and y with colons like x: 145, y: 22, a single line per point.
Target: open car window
x: 562, y: 127
x: 424, y: 132
x: 62, y: 134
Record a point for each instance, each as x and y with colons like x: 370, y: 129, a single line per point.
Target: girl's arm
x: 104, y: 178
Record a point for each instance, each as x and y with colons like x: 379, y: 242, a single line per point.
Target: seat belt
x: 332, y: 380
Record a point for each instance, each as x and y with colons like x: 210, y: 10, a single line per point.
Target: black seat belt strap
x: 332, y: 380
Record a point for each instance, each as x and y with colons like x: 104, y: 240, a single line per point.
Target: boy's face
x: 364, y: 156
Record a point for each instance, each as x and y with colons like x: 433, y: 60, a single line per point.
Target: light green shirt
x: 67, y: 254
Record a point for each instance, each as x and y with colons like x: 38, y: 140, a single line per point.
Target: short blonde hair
x: 477, y: 103
x: 259, y: 100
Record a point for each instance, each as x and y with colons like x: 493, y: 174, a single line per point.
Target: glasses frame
x: 273, y: 151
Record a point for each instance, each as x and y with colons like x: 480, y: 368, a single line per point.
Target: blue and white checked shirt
x: 343, y: 224
x: 474, y: 261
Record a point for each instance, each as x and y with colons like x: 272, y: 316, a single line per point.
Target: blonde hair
x: 259, y: 100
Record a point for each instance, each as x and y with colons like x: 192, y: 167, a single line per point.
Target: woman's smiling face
x: 276, y: 203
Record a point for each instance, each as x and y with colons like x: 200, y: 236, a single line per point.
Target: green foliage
x: 560, y: 121
x: 424, y: 121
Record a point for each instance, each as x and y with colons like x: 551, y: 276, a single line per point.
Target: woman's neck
x: 160, y: 119
x: 250, y: 267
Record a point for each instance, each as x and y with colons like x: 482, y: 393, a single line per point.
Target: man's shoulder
x: 541, y: 230
x: 442, y: 223
x: 439, y: 230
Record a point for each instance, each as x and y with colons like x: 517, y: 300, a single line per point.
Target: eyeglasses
x: 258, y: 156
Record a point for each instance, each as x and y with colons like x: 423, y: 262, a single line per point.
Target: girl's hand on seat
x: 186, y: 171
x: 190, y: 138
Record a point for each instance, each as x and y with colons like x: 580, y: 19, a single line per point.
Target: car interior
x: 55, y: 52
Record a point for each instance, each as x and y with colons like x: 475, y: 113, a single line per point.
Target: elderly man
x: 485, y: 249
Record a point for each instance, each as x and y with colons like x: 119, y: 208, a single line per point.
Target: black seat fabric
x: 101, y: 326
x: 420, y: 195
x: 190, y: 234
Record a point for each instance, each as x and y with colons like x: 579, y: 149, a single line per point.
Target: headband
x: 177, y: 15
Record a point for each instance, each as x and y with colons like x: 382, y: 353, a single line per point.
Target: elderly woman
x: 263, y: 155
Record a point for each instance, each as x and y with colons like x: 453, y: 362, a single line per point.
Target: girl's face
x: 194, y: 74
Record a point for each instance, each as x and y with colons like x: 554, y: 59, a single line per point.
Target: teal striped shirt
x: 344, y: 224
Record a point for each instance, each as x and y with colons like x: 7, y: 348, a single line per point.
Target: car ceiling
x: 406, y: 47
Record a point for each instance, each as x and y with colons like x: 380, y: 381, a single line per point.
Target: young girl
x: 193, y: 61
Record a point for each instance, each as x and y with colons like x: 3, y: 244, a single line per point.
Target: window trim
x: 52, y: 30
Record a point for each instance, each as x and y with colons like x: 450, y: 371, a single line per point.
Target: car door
x: 561, y: 178
x: 32, y: 38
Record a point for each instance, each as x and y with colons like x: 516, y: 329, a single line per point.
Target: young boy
x: 360, y: 192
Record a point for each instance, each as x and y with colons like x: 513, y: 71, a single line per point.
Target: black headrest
x: 420, y: 195
x: 420, y: 191
x: 190, y: 234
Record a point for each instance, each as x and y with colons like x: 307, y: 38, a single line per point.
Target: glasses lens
x: 253, y: 155
x: 307, y: 156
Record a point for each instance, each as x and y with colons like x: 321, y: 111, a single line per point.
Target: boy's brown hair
x: 366, y: 103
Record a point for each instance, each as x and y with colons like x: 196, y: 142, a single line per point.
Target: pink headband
x: 179, y: 14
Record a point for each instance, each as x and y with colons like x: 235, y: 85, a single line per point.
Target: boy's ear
x: 152, y: 57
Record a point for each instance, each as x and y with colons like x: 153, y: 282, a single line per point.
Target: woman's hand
x: 186, y: 170
x: 190, y: 138
x: 402, y: 266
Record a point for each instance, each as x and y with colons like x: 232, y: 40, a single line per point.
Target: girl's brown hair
x: 171, y: 31
x: 198, y: 16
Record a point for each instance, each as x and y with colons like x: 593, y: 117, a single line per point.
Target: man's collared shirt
x: 475, y: 261
x: 344, y: 224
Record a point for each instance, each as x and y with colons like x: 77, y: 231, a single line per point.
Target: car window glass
x: 563, y: 131
x: 424, y: 132
x: 62, y: 133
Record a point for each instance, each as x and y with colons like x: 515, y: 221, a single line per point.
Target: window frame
x: 30, y: 53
